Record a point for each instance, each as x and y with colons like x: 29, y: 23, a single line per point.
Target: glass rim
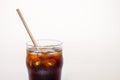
x: 56, y: 43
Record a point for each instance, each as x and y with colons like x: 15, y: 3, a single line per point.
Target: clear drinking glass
x: 45, y: 61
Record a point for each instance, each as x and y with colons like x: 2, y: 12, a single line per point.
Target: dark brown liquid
x: 44, y: 65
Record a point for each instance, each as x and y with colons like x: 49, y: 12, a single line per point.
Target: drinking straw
x: 26, y: 27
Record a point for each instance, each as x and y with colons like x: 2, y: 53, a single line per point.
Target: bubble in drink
x: 44, y: 65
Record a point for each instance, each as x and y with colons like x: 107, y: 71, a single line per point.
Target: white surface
x: 89, y: 29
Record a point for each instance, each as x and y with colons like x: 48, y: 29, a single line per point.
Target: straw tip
x: 17, y: 9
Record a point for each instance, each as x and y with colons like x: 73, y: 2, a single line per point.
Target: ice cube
x: 33, y: 60
x: 36, y: 62
x: 49, y: 62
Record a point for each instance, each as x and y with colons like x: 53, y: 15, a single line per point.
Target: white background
x: 89, y: 30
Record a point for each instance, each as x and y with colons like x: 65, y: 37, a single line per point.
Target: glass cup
x: 45, y: 61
